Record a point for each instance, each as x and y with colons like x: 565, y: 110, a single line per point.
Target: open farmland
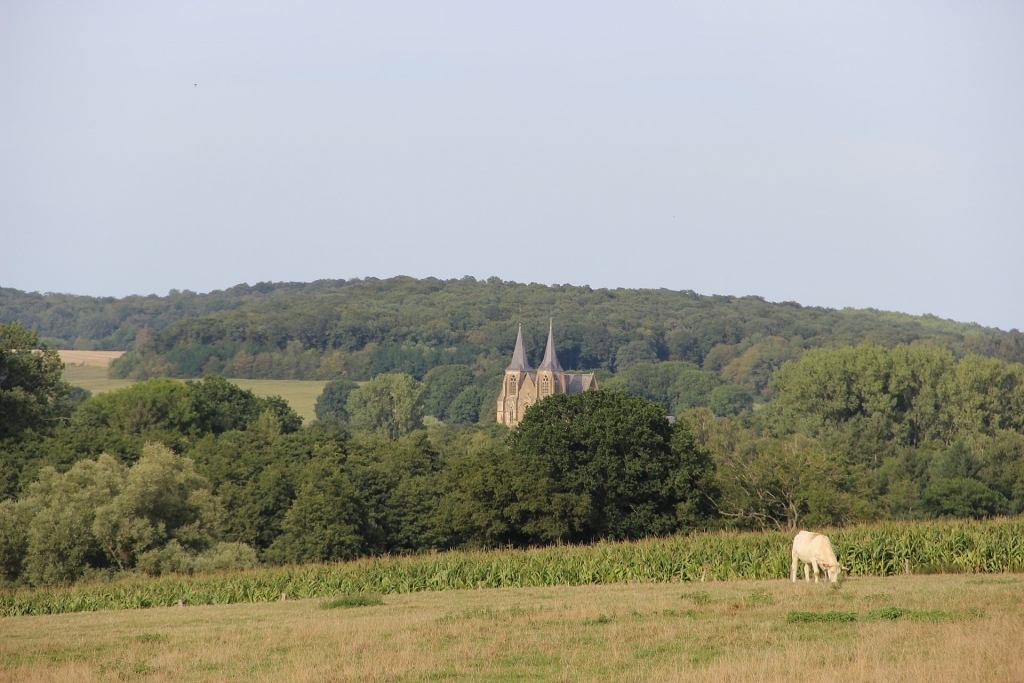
x: 914, y: 628
x: 88, y: 369
x: 93, y: 378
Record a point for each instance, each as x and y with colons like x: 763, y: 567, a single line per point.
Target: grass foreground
x: 907, y: 628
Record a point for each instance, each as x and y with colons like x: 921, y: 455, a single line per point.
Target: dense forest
x: 361, y: 328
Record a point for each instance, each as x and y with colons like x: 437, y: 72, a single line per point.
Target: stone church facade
x: 524, y: 386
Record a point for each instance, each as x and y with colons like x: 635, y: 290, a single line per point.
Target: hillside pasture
x: 88, y: 369
x: 93, y: 378
x: 908, y: 628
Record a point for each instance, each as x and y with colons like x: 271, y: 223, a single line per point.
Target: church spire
x: 550, y: 361
x: 519, y: 362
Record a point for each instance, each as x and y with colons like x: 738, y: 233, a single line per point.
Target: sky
x: 864, y: 154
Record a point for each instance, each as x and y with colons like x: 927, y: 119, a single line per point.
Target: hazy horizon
x: 866, y: 156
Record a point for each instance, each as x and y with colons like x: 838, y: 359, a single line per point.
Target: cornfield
x: 877, y: 549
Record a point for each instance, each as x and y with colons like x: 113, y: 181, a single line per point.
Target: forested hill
x: 360, y: 328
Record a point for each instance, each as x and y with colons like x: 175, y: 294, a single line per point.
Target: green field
x: 300, y: 394
x: 93, y: 378
x: 914, y: 628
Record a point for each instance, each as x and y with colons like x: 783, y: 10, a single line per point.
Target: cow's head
x: 832, y: 571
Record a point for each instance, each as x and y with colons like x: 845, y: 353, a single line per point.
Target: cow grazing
x: 814, y: 550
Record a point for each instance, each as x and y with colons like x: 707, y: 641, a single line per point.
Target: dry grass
x: 719, y: 631
x: 93, y: 359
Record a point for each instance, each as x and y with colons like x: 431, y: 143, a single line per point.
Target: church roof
x: 519, y: 362
x: 550, y: 361
x: 575, y: 384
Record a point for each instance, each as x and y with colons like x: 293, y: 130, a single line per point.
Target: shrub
x: 358, y: 600
x: 896, y: 613
x: 819, y: 617
x: 171, y: 559
x: 225, y: 556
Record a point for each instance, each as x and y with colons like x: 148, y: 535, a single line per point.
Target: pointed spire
x: 550, y: 361
x: 519, y: 362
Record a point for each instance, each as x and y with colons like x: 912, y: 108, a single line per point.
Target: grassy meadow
x: 906, y: 628
x: 88, y: 369
x: 93, y: 378
x: 300, y: 394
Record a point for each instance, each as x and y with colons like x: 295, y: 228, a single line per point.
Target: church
x: 523, y: 386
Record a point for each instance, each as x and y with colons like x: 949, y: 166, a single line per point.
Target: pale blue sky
x: 832, y: 153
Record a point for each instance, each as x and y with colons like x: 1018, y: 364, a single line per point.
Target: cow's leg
x: 792, y: 569
x: 807, y: 572
x: 815, y: 563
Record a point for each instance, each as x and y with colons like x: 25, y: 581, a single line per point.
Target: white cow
x: 814, y: 550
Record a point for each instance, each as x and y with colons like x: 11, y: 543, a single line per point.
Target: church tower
x: 522, y: 387
x: 517, y: 379
x: 550, y: 376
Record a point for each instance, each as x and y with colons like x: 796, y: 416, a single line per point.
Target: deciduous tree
x: 603, y: 464
x: 32, y: 393
x: 388, y: 405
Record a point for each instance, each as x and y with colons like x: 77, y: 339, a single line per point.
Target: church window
x: 512, y: 385
x: 545, y: 387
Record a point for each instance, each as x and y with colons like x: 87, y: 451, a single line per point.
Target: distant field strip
x: 877, y: 549
x: 97, y: 359
x: 84, y: 369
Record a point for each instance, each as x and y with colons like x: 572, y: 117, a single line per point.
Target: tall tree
x: 32, y: 394
x: 388, y: 405
x: 325, y: 522
x: 602, y: 464
x: 331, y: 404
x: 441, y: 386
x: 782, y: 484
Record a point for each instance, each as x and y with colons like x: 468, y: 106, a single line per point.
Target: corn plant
x: 869, y: 550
